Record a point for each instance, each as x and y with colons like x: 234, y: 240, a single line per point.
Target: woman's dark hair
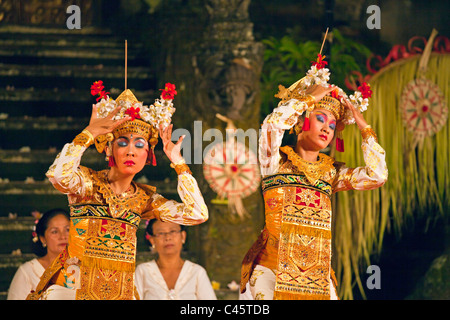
x: 149, y: 228
x: 36, y: 247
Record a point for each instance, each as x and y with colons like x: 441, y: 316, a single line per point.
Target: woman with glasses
x: 169, y: 277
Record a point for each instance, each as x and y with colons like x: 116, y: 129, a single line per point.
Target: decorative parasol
x: 423, y: 107
x: 232, y: 171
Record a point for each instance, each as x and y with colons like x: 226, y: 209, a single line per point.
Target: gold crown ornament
x: 145, y: 120
x: 318, y: 74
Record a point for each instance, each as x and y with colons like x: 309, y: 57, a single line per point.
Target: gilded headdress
x: 145, y: 120
x: 320, y: 75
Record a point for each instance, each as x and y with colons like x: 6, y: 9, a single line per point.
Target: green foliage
x: 152, y: 5
x: 286, y: 61
x: 346, y: 55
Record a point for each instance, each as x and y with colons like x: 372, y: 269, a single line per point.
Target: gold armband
x: 181, y: 167
x: 84, y: 139
x: 368, y: 132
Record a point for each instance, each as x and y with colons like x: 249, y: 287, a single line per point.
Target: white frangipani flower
x: 321, y: 77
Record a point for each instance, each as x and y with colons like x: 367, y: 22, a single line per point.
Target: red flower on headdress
x: 320, y: 63
x: 169, y: 92
x: 133, y: 113
x: 97, y: 89
x: 365, y: 90
x: 335, y: 94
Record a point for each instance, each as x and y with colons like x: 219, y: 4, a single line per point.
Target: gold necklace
x: 313, y: 171
x: 122, y: 194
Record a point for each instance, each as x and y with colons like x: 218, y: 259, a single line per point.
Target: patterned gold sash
x: 102, y: 242
x: 304, y: 248
x: 297, y: 234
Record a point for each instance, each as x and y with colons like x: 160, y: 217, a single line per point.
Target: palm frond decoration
x: 419, y: 178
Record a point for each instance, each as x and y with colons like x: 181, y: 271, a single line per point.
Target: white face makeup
x: 321, y: 132
x: 130, y: 153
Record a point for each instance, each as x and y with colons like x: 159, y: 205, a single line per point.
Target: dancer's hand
x: 359, y: 119
x: 100, y: 126
x: 318, y: 91
x: 173, y: 151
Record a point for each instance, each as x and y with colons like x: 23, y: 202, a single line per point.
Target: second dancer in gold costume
x: 292, y: 257
x: 107, y: 206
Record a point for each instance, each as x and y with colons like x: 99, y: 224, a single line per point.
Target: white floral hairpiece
x: 157, y: 114
x: 320, y: 75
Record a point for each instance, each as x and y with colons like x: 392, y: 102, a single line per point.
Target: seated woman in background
x: 169, y: 277
x: 49, y: 240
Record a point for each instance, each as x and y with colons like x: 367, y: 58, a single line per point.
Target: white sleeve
x: 283, y: 117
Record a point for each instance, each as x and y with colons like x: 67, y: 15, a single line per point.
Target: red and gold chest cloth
x: 296, y: 241
x: 103, y: 237
x: 102, y: 241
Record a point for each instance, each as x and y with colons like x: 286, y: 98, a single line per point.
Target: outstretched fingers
x: 94, y: 114
x: 359, y: 118
x: 165, y: 133
x: 180, y: 140
x: 349, y: 105
x: 117, y: 122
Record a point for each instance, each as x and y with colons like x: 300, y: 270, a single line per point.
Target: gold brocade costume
x: 99, y: 261
x: 296, y: 240
x: 298, y: 223
x: 102, y: 237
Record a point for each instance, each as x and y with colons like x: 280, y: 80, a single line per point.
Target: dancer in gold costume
x: 107, y: 206
x: 292, y: 257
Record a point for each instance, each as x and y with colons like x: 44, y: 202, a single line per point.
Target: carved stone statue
x: 230, y: 63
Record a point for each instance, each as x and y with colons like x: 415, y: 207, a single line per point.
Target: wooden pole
x: 324, y: 39
x: 126, y: 64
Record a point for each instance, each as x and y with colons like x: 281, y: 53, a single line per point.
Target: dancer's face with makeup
x: 322, y: 129
x: 130, y: 153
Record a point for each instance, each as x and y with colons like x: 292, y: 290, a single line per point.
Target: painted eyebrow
x: 320, y: 113
x: 135, y: 139
x: 323, y: 113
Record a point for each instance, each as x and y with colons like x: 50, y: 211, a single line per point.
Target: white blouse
x: 192, y: 284
x: 26, y: 279
x: 67, y: 176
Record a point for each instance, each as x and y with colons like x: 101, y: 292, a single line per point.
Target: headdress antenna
x: 323, y: 42
x: 126, y: 63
